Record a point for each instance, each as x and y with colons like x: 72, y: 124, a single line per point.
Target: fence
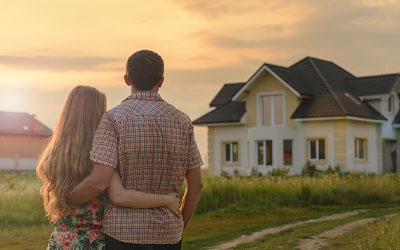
x: 17, y: 164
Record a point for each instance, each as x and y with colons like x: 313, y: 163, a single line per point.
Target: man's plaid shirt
x: 152, y: 144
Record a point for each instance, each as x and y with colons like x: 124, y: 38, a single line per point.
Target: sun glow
x: 10, y: 99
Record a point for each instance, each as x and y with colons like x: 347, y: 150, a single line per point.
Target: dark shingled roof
x: 227, y: 113
x: 332, y: 96
x: 396, y: 120
x: 22, y: 124
x: 373, y: 85
x: 293, y: 77
x: 226, y: 93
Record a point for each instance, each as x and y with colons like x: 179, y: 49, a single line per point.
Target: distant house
x: 22, y: 138
x: 312, y: 111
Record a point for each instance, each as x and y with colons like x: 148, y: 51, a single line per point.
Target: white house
x: 314, y: 110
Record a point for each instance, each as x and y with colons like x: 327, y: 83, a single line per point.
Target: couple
x: 112, y: 179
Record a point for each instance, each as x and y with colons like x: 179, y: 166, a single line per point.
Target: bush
x: 279, y: 172
x: 310, y: 170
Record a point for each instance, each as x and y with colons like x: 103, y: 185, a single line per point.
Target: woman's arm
x: 130, y: 198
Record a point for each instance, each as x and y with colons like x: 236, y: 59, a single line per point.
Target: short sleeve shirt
x: 152, y: 145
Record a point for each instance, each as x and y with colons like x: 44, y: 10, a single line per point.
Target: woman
x: 65, y: 162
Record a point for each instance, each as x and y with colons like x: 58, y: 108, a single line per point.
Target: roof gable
x: 291, y: 79
x: 22, y: 124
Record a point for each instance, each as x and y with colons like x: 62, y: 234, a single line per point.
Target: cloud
x: 54, y: 63
x: 360, y: 35
x: 221, y: 8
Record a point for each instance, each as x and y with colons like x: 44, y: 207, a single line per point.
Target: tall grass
x: 272, y: 192
x: 21, y: 204
x: 20, y: 201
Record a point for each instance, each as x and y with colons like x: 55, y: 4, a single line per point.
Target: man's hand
x: 92, y: 185
x: 192, y: 194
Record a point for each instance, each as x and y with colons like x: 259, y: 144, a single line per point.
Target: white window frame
x: 316, y: 149
x: 283, y: 149
x: 264, y: 153
x: 357, y: 142
x: 231, y: 154
x: 260, y: 109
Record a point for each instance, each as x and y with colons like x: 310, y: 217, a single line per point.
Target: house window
x: 231, y: 152
x: 272, y: 110
x: 390, y: 103
x: 360, y: 146
x: 264, y: 153
x: 316, y: 149
x: 287, y: 152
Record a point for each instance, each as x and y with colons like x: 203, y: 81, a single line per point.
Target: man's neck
x: 135, y: 90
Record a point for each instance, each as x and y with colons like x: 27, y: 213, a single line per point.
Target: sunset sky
x: 48, y: 47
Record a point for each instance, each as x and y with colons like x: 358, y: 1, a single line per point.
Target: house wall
x: 268, y: 83
x: 340, y: 143
x: 226, y: 134
x: 20, y: 152
x: 300, y: 133
x: 388, y: 132
x: 24, y: 146
x: 372, y: 132
x: 277, y: 135
x: 321, y: 129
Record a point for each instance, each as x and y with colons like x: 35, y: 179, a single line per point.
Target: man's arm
x: 192, y: 194
x: 92, y: 185
x: 131, y: 198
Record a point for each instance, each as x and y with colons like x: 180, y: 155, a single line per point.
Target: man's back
x: 153, y: 146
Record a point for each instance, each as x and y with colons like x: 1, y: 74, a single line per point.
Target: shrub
x: 310, y: 170
x: 279, y: 172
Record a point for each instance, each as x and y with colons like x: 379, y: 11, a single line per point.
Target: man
x: 152, y: 145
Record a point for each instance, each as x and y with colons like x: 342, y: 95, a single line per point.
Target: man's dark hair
x: 144, y: 69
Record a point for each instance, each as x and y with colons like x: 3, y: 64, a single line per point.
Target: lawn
x: 228, y: 207
x: 290, y: 238
x: 383, y: 234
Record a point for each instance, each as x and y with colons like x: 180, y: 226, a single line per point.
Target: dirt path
x: 320, y: 240
x: 274, y: 230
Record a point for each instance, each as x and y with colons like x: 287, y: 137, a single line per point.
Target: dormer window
x: 390, y: 103
x: 272, y: 110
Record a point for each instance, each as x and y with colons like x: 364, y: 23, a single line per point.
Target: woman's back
x: 81, y: 229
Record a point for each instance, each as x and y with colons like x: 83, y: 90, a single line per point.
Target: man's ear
x: 127, y: 80
x: 160, y: 82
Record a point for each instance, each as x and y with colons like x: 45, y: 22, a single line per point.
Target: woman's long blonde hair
x: 65, y: 161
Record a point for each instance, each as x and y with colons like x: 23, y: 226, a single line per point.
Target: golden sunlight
x: 10, y: 99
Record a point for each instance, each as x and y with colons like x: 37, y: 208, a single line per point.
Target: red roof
x: 22, y: 124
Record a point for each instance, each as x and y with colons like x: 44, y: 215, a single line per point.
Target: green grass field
x: 228, y: 207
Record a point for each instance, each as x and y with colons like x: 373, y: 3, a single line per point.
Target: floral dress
x: 81, y: 230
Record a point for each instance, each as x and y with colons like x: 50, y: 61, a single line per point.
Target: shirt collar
x: 145, y: 96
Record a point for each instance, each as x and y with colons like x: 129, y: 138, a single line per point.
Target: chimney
x: 34, y: 124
